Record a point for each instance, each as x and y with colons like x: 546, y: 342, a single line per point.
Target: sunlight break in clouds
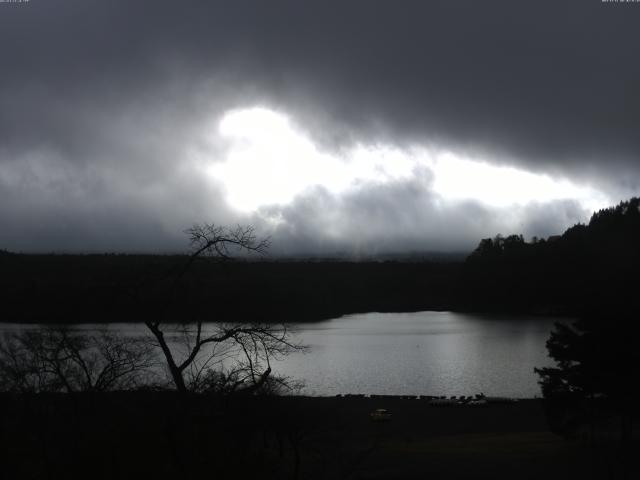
x: 269, y: 162
x: 458, y: 178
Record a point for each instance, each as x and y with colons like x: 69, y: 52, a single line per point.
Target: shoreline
x: 167, y: 435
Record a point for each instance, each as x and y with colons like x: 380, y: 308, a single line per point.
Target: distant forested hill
x: 117, y: 288
x: 593, y: 266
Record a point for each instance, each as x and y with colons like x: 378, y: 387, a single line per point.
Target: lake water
x: 422, y: 353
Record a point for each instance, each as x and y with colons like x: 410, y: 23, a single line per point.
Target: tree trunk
x: 176, y: 373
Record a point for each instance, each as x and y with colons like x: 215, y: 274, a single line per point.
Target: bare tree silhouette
x: 220, y: 357
x: 56, y: 359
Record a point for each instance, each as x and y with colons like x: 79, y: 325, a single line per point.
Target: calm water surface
x: 430, y: 353
x: 423, y: 353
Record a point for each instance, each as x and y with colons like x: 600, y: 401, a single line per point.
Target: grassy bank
x: 163, y: 435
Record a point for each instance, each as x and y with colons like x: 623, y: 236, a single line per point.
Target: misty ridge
x: 589, y: 266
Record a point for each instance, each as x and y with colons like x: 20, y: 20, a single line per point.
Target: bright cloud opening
x: 269, y: 162
x: 460, y: 179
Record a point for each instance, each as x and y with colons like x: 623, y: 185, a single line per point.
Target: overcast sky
x: 352, y: 126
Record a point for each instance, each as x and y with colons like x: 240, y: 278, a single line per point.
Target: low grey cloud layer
x: 103, y: 105
x: 404, y: 216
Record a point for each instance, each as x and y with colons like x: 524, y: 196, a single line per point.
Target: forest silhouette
x: 590, y: 266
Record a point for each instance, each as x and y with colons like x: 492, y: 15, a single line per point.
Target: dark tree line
x: 589, y: 266
x: 64, y: 288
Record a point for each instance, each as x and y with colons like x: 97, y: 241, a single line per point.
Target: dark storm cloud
x: 102, y: 104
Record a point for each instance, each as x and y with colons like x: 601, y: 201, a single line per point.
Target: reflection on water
x: 429, y: 353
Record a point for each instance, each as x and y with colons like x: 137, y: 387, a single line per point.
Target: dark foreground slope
x: 161, y: 435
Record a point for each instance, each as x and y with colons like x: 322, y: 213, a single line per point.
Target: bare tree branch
x: 241, y: 353
x: 56, y: 359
